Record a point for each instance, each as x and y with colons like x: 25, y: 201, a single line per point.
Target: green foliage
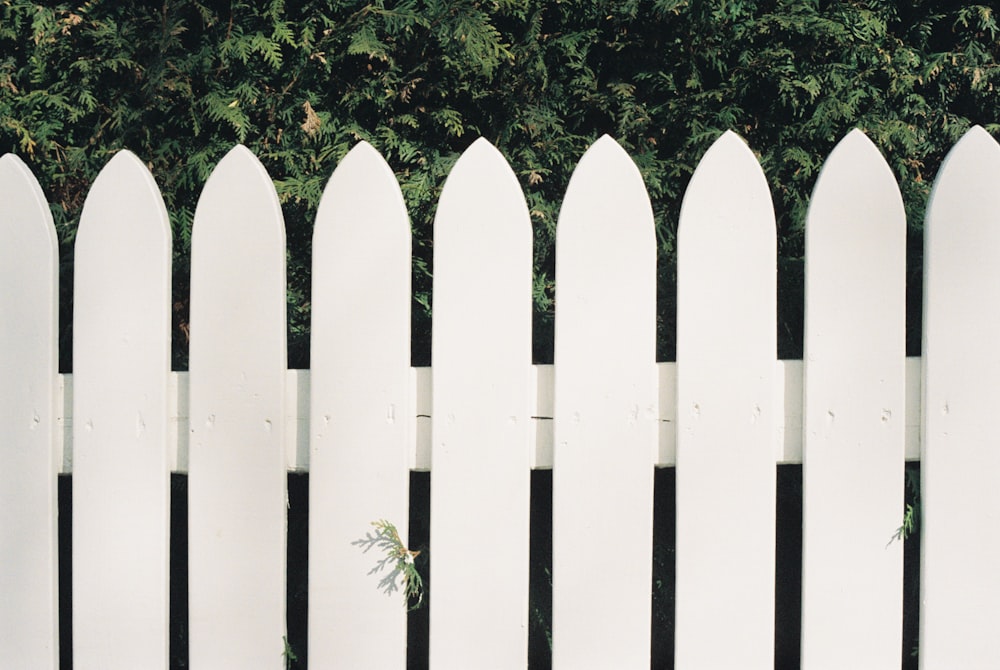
x: 910, y: 517
x: 179, y: 82
x: 401, y: 560
x: 911, y: 513
x: 288, y: 653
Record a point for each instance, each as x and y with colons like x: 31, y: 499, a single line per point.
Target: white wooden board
x: 361, y: 409
x: 960, y: 582
x: 121, y: 475
x: 726, y: 416
x: 481, y: 352
x: 236, y: 488
x: 854, y: 432
x: 605, y: 416
x: 29, y: 295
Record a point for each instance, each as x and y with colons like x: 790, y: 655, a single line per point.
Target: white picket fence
x: 602, y: 417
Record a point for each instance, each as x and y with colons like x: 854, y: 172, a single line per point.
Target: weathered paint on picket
x: 481, y: 420
x: 726, y: 379
x: 237, y: 481
x: 855, y: 321
x: 605, y: 416
x: 121, y: 476
x: 29, y: 294
x: 960, y: 461
x: 360, y: 401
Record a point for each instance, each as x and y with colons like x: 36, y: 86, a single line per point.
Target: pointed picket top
x: 237, y: 473
x: 481, y: 171
x: 726, y: 222
x: 360, y: 394
x: 239, y: 204
x: 26, y: 210
x: 121, y: 366
x: 960, y: 587
x: 854, y: 404
x: 729, y: 162
x: 726, y: 417
x: 126, y: 187
x: 362, y: 171
x: 238, y: 250
x: 605, y: 419
x: 481, y: 215
x: 972, y: 160
x: 481, y: 349
x: 603, y: 169
x: 29, y: 275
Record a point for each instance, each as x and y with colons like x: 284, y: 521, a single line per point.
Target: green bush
x: 179, y: 81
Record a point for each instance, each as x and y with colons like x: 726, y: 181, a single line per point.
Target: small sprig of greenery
x: 401, y: 560
x: 910, y: 518
x: 288, y: 654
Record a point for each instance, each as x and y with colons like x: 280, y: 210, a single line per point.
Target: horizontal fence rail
x: 787, y: 444
x: 602, y: 418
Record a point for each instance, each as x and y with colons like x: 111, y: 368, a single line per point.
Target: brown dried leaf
x: 312, y: 122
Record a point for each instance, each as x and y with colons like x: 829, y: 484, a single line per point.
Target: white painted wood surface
x: 960, y: 582
x: 360, y: 400
x: 121, y: 477
x: 236, y: 487
x: 480, y: 429
x: 788, y: 434
x: 725, y: 550
x: 605, y: 416
x: 29, y: 298
x: 726, y: 417
x: 855, y: 322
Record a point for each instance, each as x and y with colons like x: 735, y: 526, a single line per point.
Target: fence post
x: 237, y: 481
x: 726, y: 367
x: 29, y: 299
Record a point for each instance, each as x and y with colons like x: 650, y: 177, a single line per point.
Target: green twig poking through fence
x: 909, y: 523
x: 289, y: 655
x: 911, y: 517
x: 397, y: 557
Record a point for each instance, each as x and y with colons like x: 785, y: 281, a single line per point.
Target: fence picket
x: 481, y: 420
x: 237, y: 480
x: 29, y: 277
x: 360, y: 400
x: 121, y: 473
x: 605, y: 416
x: 726, y: 381
x: 960, y: 585
x: 854, y: 433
